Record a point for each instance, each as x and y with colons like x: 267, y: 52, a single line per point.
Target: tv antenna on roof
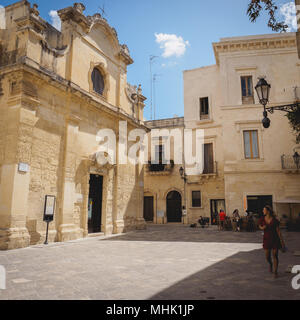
x: 151, y: 60
x: 155, y: 76
x: 102, y: 9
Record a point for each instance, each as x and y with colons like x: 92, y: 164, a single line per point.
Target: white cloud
x: 169, y: 64
x: 288, y: 11
x: 55, y: 19
x: 171, y: 44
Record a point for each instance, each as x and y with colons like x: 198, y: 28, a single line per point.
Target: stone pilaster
x: 66, y: 228
x: 14, y: 185
x: 140, y: 221
x: 108, y: 201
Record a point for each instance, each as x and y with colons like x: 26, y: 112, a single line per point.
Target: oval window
x: 98, y: 81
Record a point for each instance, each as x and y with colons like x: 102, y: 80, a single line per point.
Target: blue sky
x: 179, y: 32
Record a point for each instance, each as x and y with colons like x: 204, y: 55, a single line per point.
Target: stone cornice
x: 30, y: 66
x: 240, y: 45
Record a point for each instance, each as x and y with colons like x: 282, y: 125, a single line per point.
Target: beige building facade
x: 58, y: 89
x: 164, y: 193
x: 245, y: 165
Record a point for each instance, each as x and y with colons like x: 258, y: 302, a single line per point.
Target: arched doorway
x: 174, y: 213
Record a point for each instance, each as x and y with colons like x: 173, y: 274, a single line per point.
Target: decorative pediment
x: 87, y: 23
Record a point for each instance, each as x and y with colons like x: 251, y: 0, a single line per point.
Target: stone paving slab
x: 163, y: 262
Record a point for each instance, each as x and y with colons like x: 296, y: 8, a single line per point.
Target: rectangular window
x: 159, y: 154
x: 247, y: 90
x: 251, y: 144
x: 208, y: 158
x: 204, y: 108
x: 196, y: 199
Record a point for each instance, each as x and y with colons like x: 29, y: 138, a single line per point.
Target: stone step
x: 98, y: 234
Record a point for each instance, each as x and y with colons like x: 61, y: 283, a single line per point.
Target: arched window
x: 98, y: 81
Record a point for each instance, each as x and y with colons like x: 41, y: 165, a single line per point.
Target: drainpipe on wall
x: 297, y: 2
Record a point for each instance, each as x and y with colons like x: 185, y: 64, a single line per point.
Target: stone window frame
x: 250, y: 125
x: 247, y: 99
x: 190, y: 198
x: 213, y: 140
x: 251, y: 144
x: 209, y: 119
x: 192, y: 191
x: 250, y: 71
x: 102, y: 68
x: 204, y: 116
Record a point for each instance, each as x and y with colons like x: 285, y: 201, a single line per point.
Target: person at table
x: 236, y: 220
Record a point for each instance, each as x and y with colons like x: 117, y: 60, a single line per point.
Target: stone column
x: 140, y: 221
x: 117, y: 215
x: 67, y: 229
x: 85, y: 194
x: 14, y: 187
x: 108, y: 201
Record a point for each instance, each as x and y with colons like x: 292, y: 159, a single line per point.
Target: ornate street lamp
x: 181, y: 171
x: 296, y: 158
x: 263, y: 91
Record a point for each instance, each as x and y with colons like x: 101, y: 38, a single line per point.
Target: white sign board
x: 23, y: 167
x: 160, y: 214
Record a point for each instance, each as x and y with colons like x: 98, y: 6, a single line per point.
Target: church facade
x: 57, y: 90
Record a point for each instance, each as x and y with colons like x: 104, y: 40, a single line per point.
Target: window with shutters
x: 251, y: 144
x: 196, y: 199
x: 208, y: 158
x: 159, y: 154
x: 247, y: 90
x: 204, y: 108
x: 98, y: 81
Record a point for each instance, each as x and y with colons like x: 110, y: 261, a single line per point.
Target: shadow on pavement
x: 243, y: 276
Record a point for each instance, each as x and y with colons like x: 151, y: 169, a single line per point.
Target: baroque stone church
x: 57, y: 90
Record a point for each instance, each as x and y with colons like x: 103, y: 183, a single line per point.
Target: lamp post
x: 296, y: 158
x: 263, y: 91
x: 183, y: 176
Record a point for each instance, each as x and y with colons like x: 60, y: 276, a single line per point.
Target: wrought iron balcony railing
x: 159, y: 167
x: 288, y: 163
x: 211, y: 168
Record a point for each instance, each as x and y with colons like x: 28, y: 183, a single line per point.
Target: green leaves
x: 255, y: 8
x: 294, y: 119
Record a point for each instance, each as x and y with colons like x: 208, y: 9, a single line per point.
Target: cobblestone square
x: 162, y: 262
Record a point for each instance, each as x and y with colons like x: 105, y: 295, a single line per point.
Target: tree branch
x: 255, y: 8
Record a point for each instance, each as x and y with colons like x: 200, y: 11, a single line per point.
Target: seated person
x: 202, y: 222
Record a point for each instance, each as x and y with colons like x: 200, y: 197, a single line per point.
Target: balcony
x: 210, y: 168
x: 289, y: 165
x: 209, y: 173
x: 159, y: 168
